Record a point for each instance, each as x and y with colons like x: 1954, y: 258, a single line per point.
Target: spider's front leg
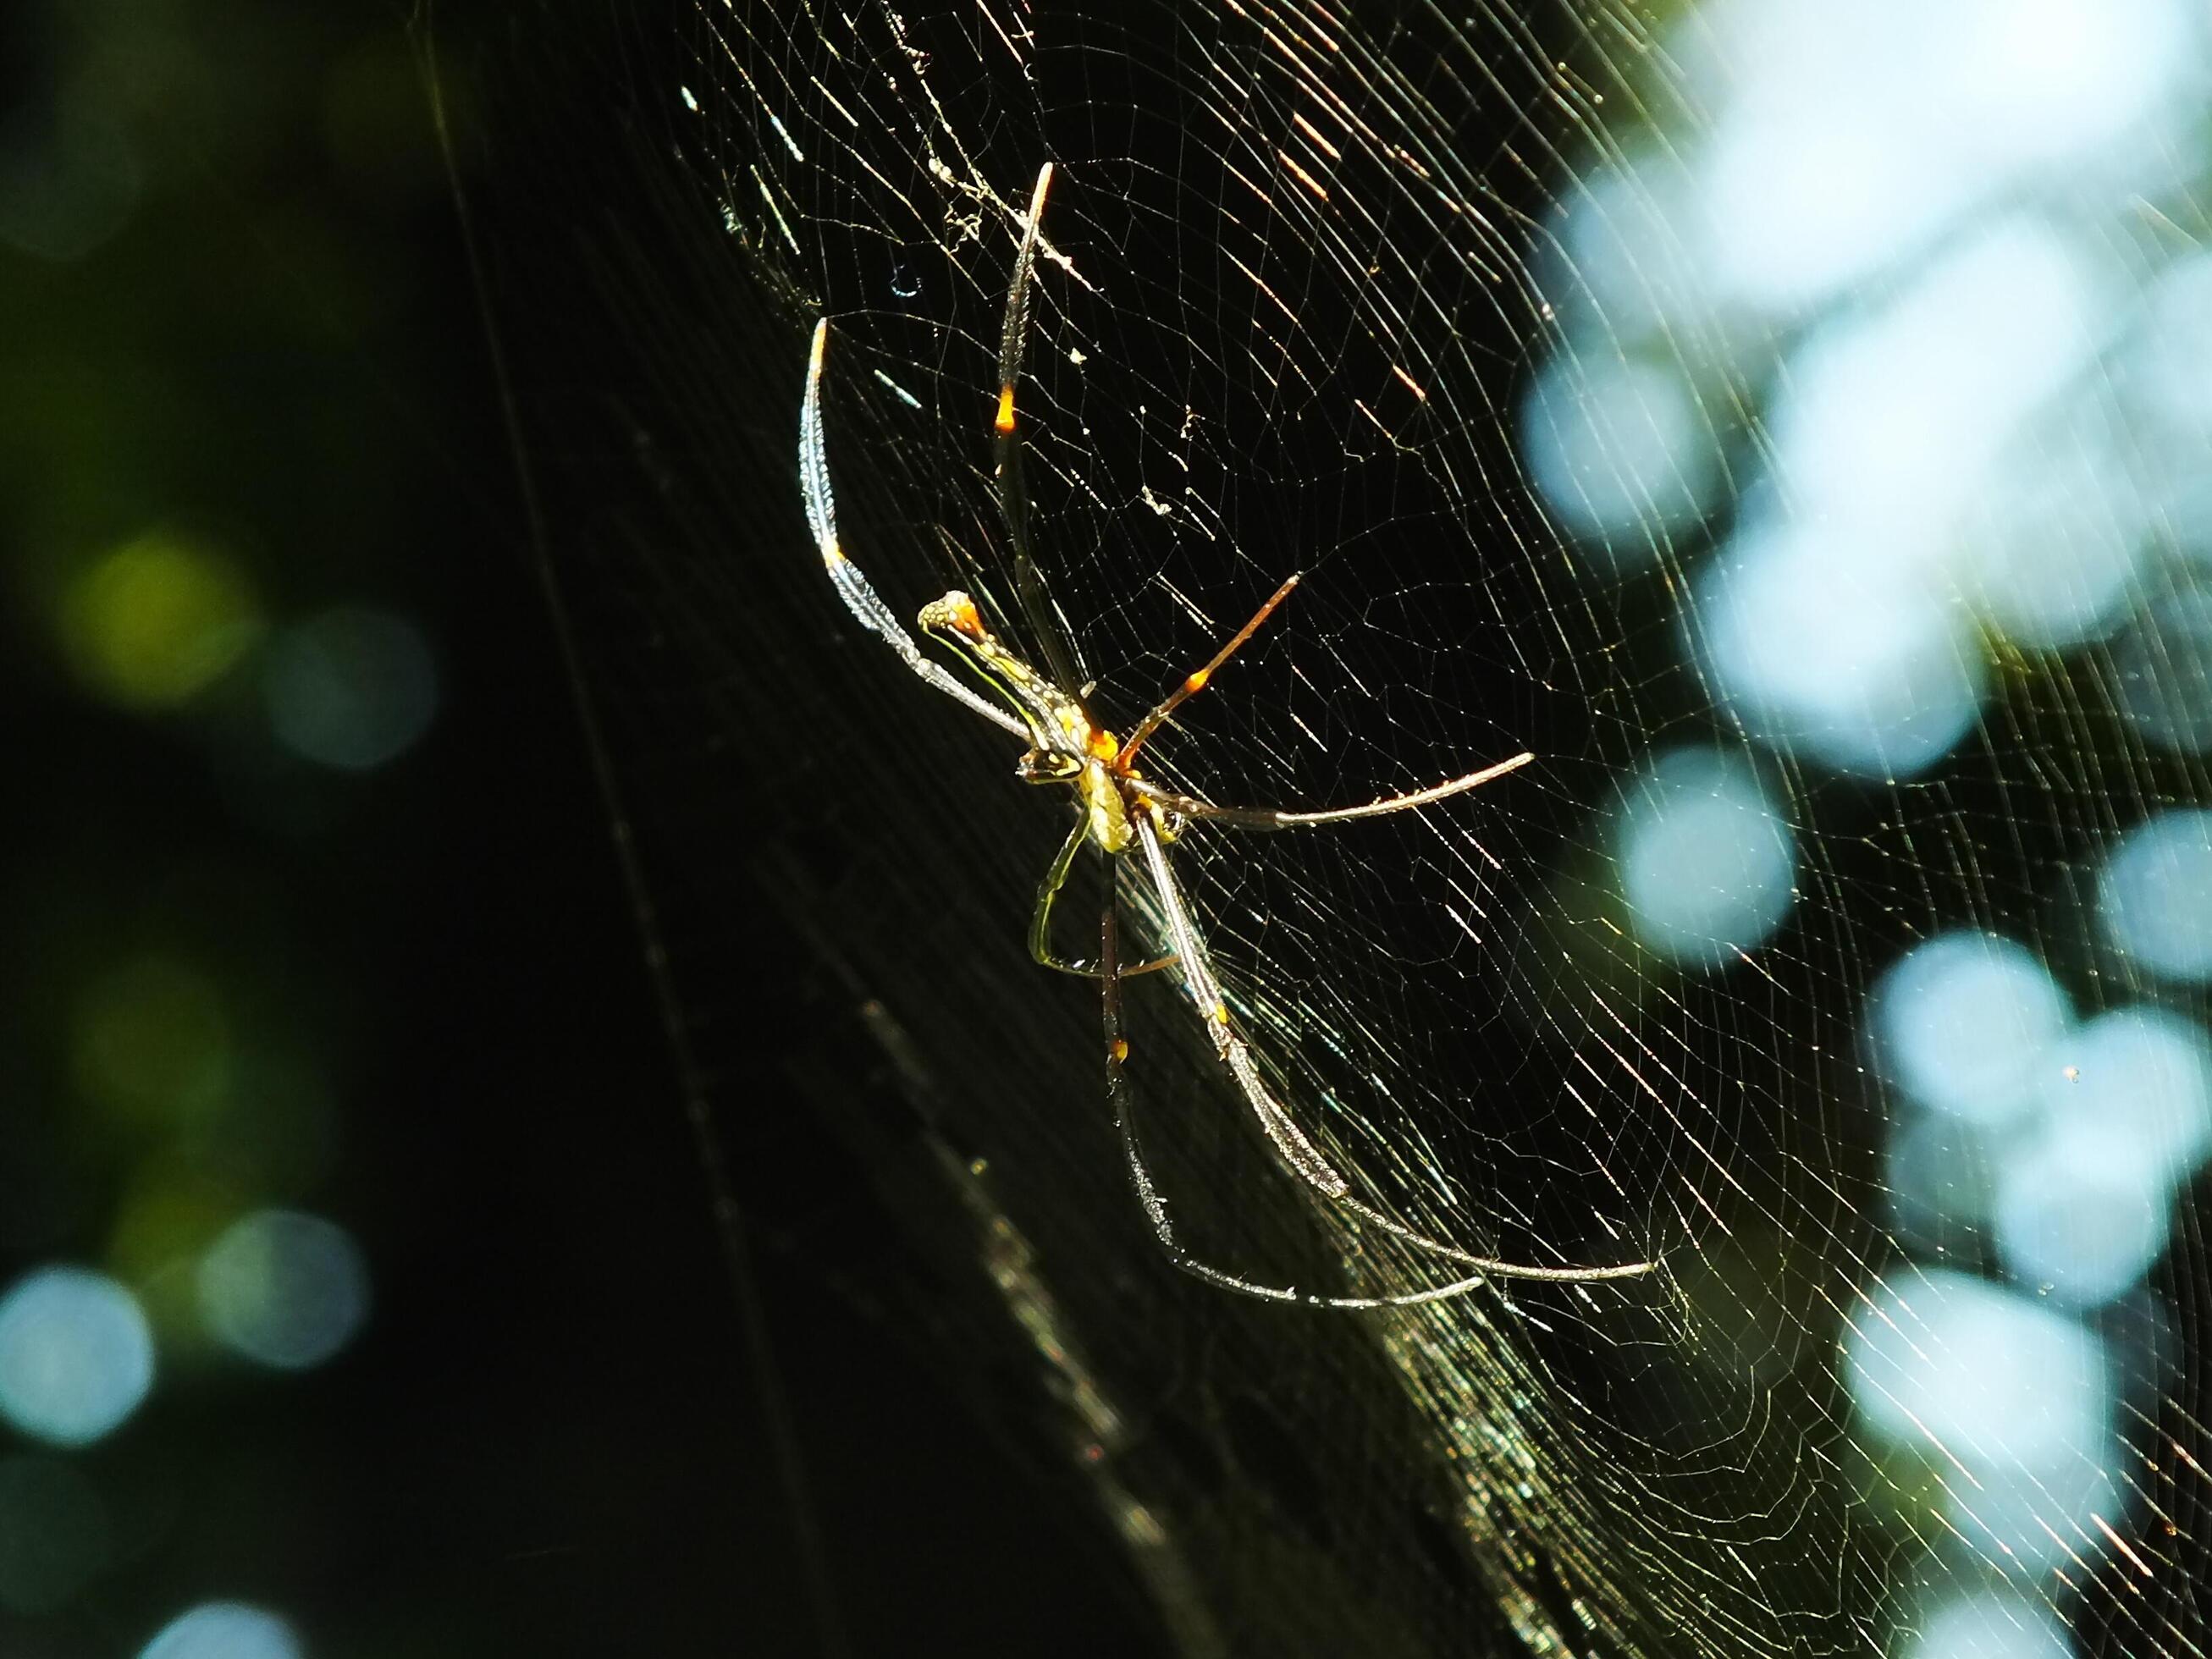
x: 852, y: 587
x: 1268, y: 817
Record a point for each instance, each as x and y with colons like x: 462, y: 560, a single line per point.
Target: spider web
x: 1788, y: 427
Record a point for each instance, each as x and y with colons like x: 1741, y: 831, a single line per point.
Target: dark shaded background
x: 237, y: 309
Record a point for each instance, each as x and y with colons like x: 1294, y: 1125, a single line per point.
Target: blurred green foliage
x: 221, y: 412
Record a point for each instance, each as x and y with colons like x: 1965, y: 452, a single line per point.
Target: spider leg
x: 1264, y: 818
x: 1196, y: 682
x: 1044, y: 618
x: 1040, y: 920
x: 1140, y: 1175
x: 1296, y: 1150
x: 861, y: 598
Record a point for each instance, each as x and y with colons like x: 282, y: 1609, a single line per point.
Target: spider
x: 1127, y: 815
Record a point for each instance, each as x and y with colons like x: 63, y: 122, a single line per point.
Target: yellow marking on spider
x: 1101, y: 745
x: 834, y: 553
x: 1120, y: 1050
x: 1197, y: 682
x: 1005, y: 421
x: 1221, y: 1013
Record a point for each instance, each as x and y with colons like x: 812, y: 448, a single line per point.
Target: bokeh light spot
x: 1965, y: 1025
x: 76, y: 1356
x: 2011, y: 1400
x: 1629, y: 266
x: 2040, y: 81
x: 2162, y: 667
x: 1827, y: 650
x: 2052, y: 551
x: 1940, y: 1172
x: 1988, y: 1625
x: 165, y: 1214
x: 1947, y: 1356
x: 152, y: 1040
x: 351, y: 689
x: 1621, y: 450
x: 151, y: 622
x: 2141, y: 1077
x: 284, y: 1288
x: 65, y: 190
x: 225, y: 1629
x: 1868, y: 128
x: 2170, y: 367
x: 2081, y: 1212
x: 1805, y: 198
x: 55, y: 1536
x: 2155, y: 897
x: 1889, y: 419
x: 1705, y: 860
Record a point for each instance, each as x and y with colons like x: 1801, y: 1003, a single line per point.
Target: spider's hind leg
x: 1148, y: 1196
x: 1041, y: 949
x: 1293, y: 1148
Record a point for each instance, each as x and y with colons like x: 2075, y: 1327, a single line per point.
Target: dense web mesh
x: 1789, y: 425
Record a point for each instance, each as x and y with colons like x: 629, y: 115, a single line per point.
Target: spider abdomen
x: 1105, y: 810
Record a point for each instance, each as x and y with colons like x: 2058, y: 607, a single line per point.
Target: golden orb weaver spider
x: 1121, y: 811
